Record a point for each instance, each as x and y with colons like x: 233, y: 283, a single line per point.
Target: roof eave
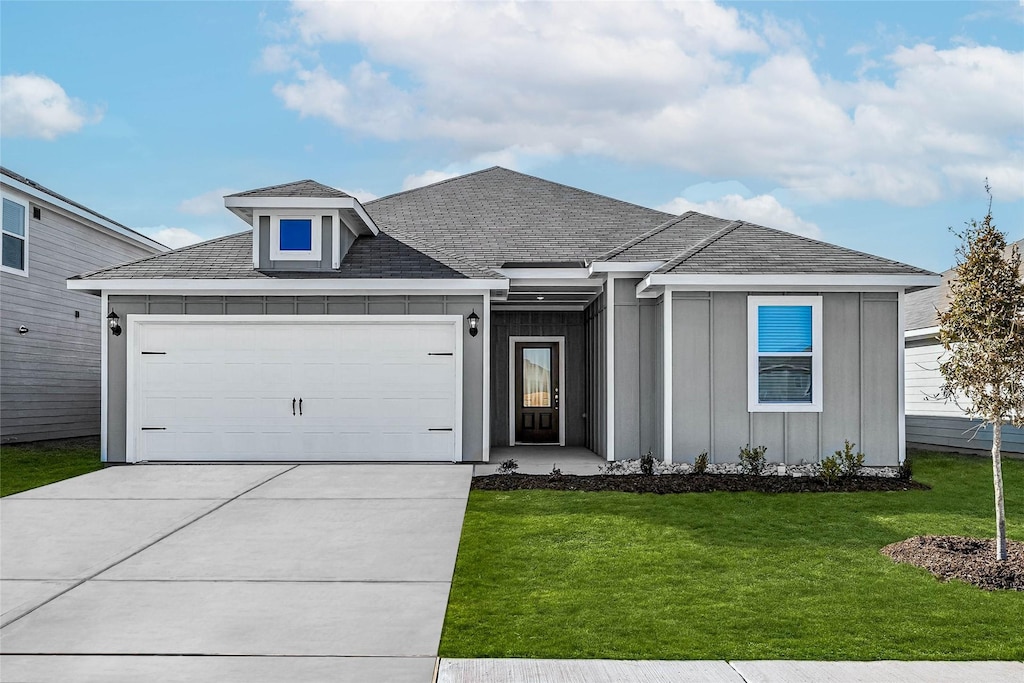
x: 244, y: 207
x: 654, y: 284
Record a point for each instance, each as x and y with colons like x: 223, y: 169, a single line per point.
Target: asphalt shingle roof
x: 231, y: 258
x: 742, y: 248
x: 300, y: 188
x: 495, y: 216
x: 470, y: 225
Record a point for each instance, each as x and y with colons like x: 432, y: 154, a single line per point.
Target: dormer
x: 300, y: 226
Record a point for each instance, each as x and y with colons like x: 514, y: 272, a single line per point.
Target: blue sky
x: 870, y: 124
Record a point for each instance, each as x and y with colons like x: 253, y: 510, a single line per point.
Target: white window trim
x: 753, y: 405
x: 24, y: 238
x: 512, y: 398
x: 316, y: 236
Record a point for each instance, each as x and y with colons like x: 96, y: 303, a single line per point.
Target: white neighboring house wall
x: 50, y: 374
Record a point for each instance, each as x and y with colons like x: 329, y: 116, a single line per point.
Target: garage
x: 294, y: 388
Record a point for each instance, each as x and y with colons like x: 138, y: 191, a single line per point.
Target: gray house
x: 932, y: 422
x: 499, y: 309
x: 50, y: 337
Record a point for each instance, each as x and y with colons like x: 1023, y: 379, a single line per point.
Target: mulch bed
x: 971, y: 560
x: 686, y: 483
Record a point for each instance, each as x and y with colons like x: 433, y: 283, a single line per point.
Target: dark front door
x: 536, y: 392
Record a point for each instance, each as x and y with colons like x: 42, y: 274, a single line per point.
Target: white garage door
x: 295, y: 388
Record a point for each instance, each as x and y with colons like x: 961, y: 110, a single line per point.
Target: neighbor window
x: 15, y: 237
x: 295, y: 238
x: 784, y: 359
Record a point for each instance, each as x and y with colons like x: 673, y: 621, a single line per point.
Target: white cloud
x: 362, y: 195
x: 35, y: 106
x: 175, y: 238
x: 207, y: 204
x: 429, y: 177
x: 664, y: 83
x: 277, y: 58
x: 763, y: 210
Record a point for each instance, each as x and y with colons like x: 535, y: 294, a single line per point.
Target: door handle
x: 293, y: 406
x: 300, y: 406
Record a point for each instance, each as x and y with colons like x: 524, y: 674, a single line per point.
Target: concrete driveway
x: 230, y: 572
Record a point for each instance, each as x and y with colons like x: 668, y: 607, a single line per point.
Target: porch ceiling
x: 534, y: 295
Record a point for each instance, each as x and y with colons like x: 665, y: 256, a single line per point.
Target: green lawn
x: 26, y: 466
x: 731, y: 576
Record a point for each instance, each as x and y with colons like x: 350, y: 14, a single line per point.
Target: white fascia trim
x: 625, y: 266
x: 86, y: 215
x: 901, y: 362
x: 285, y: 286
x: 544, y: 273
x: 921, y: 333
x: 595, y: 284
x: 487, y: 376
x: 290, y: 202
x: 104, y: 384
x: 792, y: 282
x: 361, y: 212
x: 666, y: 331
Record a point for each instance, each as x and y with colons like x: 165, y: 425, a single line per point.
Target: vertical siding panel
x: 691, y: 377
x: 879, y: 392
x: 729, y: 354
x: 841, y: 331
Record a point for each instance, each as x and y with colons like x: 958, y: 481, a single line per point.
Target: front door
x: 536, y: 392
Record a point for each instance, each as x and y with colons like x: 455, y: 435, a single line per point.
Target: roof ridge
x: 698, y: 247
x: 612, y: 253
x: 14, y: 175
x: 434, y: 184
x: 412, y: 241
x: 163, y: 253
x: 280, y: 185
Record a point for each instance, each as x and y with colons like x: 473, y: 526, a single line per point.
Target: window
x: 15, y: 237
x: 295, y: 237
x: 784, y: 359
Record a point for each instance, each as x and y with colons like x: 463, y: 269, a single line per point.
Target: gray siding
x: 958, y: 433
x: 326, y: 247
x: 637, y: 394
x: 860, y: 377
x: 473, y: 356
x: 50, y: 377
x: 594, y: 320
x: 568, y: 324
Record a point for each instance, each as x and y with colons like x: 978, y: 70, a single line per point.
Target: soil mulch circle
x: 687, y: 483
x: 971, y: 560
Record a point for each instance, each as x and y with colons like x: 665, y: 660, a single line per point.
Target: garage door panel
x: 223, y: 391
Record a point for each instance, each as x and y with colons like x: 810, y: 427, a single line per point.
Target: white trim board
x: 485, y: 323
x: 785, y: 282
x: 133, y: 352
x: 283, y: 286
x: 512, y: 386
x: 901, y: 363
x: 610, y: 368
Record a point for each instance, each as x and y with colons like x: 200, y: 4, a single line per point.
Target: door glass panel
x: 536, y: 378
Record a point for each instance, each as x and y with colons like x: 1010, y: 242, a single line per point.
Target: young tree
x: 982, y: 332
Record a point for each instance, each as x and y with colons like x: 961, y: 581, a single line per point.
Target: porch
x: 542, y: 459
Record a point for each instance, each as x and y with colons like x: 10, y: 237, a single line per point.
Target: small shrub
x: 700, y: 463
x: 508, y: 466
x: 647, y: 463
x: 850, y: 462
x: 611, y: 467
x: 830, y: 470
x: 752, y: 460
x: 904, y: 473
x: 555, y: 472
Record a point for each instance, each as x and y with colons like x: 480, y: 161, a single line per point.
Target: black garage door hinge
x: 153, y: 429
x: 154, y: 353
x: 439, y: 429
x: 436, y: 353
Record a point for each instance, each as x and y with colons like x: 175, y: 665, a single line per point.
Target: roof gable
x: 299, y: 188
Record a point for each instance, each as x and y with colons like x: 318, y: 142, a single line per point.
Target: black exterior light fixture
x: 474, y: 321
x: 114, y: 320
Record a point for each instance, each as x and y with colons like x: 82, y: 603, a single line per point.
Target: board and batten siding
x: 473, y: 356
x: 50, y: 376
x: 638, y: 370
x: 573, y: 407
x: 860, y: 376
x: 596, y: 343
x: 935, y: 423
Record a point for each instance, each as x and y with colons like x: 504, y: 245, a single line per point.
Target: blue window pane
x: 296, y: 234
x: 784, y: 379
x: 783, y: 329
x: 14, y: 217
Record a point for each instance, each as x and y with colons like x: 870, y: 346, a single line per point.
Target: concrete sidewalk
x: 622, y: 671
x: 231, y: 573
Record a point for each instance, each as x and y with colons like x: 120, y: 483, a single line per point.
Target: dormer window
x: 295, y: 237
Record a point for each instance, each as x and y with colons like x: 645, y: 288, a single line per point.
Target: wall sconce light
x: 22, y: 330
x: 114, y: 320
x: 474, y: 320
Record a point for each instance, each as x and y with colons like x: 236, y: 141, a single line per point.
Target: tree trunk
x: 997, y: 480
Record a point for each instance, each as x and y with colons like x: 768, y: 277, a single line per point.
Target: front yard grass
x: 26, y: 466
x: 731, y: 575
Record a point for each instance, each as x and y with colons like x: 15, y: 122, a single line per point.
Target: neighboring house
x: 931, y: 421
x: 49, y: 336
x: 497, y: 308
